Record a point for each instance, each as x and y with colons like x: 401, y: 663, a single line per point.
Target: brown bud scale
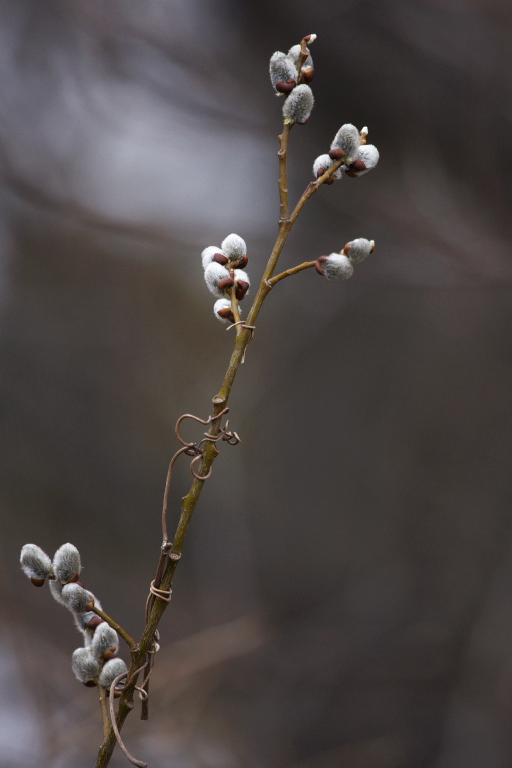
x: 37, y: 582
x: 94, y: 622
x: 318, y: 265
x: 243, y: 262
x: 227, y: 314
x: 220, y: 259
x: 226, y: 282
x: 358, y: 165
x: 241, y: 289
x: 308, y: 75
x: 282, y: 87
x: 336, y: 154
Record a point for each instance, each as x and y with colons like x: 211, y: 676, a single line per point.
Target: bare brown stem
x: 283, y: 170
x: 104, y: 711
x: 235, y: 309
x: 304, y: 53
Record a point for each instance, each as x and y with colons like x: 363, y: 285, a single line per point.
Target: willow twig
x: 290, y: 272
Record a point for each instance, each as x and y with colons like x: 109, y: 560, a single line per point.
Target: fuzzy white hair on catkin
x: 111, y: 670
x: 299, y: 104
x: 66, y: 563
x: 325, y: 162
x: 234, y: 247
x: 359, y: 249
x: 348, y: 139
x: 103, y: 639
x: 85, y: 665
x: 212, y: 274
x: 369, y: 154
x: 282, y: 68
x: 208, y: 254
x: 337, y: 266
x: 34, y: 562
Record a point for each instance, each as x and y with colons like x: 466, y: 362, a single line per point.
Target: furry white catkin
x: 76, y: 597
x: 85, y: 665
x: 35, y: 563
x: 299, y: 104
x: 322, y: 164
x: 234, y: 247
x: 111, y: 670
x: 357, y: 250
x: 337, y: 266
x: 348, y: 139
x: 282, y: 69
x: 66, y: 564
x: 213, y: 274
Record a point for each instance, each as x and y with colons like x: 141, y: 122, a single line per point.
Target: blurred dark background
x: 345, y: 596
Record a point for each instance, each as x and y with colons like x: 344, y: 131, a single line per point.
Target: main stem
x: 210, y: 453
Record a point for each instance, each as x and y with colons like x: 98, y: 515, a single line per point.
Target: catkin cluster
x: 340, y: 266
x: 349, y: 145
x: 287, y: 80
x: 225, y: 277
x: 95, y: 663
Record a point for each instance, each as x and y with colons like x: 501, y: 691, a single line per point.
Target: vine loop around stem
x: 131, y: 758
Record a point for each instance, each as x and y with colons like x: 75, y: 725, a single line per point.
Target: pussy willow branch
x: 210, y: 452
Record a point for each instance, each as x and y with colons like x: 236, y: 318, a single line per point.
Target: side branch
x: 290, y: 272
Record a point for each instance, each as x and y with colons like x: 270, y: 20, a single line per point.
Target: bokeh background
x: 345, y: 596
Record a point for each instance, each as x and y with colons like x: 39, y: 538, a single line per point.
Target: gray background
x: 345, y: 596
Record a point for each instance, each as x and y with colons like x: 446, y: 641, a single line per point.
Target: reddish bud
x: 89, y: 684
x: 37, y: 582
x: 320, y: 172
x: 227, y: 314
x: 241, y: 289
x: 330, y: 180
x: 94, y: 622
x: 355, y: 168
x: 308, y: 75
x: 282, y: 87
x: 336, y: 154
x: 220, y: 259
x: 318, y: 265
x: 110, y: 653
x: 226, y: 282
x: 243, y: 262
x: 74, y: 579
